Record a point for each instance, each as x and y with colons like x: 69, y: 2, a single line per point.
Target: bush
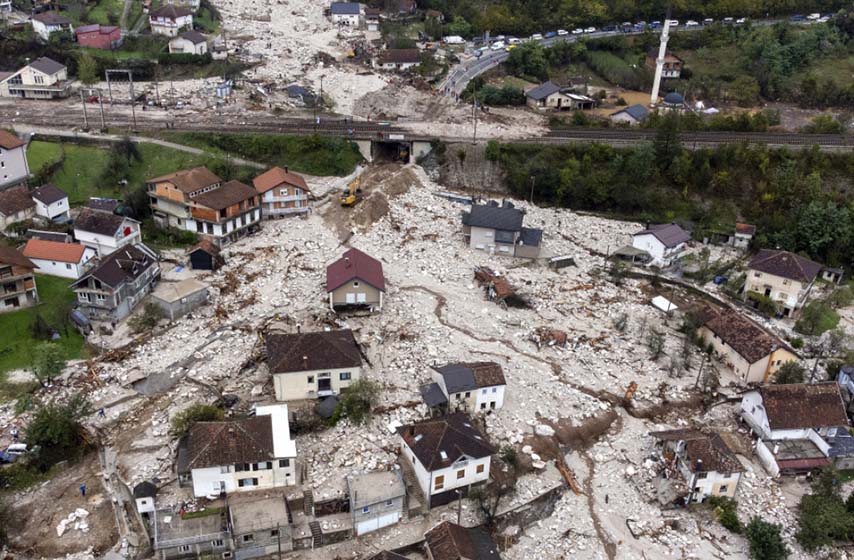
x: 816, y: 318
x: 790, y: 372
x: 726, y: 511
x: 357, y: 401
x: 56, y: 432
x: 147, y: 320
x: 183, y: 58
x: 822, y: 520
x: 842, y: 296
x: 765, y: 540
x: 797, y: 343
x: 764, y: 304
x: 824, y: 124
x: 47, y: 361
x: 183, y: 421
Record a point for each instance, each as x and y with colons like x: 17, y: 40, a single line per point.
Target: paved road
x: 461, y: 74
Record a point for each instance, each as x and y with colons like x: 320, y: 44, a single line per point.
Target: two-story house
x: 449, y: 541
x: 170, y: 20
x: 753, y: 353
x: 283, y: 193
x: 260, y: 525
x: 16, y: 205
x: 13, y: 160
x: 110, y: 291
x: 346, y: 13
x: 355, y: 280
x: 17, y: 282
x: 448, y: 456
x: 46, y: 23
x: 376, y: 500
x: 665, y: 243
x: 170, y: 194
x: 51, y: 203
x: 225, y: 214
x: 784, y: 277
x: 66, y: 260
x: 397, y: 59
x: 791, y: 423
x: 313, y: 365
x: 189, y: 42
x: 252, y: 453
x: 498, y: 229
x: 44, y: 78
x: 468, y: 387
x: 106, y: 232
x: 703, y: 462
x: 672, y: 69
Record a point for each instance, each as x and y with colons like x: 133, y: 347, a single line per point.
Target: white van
x: 498, y: 45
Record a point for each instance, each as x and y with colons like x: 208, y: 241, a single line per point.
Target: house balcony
x: 671, y: 74
x: 290, y: 198
x: 61, y: 87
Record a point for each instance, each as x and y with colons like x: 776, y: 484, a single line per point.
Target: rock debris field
x: 436, y: 313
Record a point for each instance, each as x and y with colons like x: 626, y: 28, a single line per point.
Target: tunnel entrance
x: 391, y: 151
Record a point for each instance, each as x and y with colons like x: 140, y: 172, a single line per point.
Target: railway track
x: 708, y: 137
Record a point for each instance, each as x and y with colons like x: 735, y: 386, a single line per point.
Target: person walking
x: 83, y: 490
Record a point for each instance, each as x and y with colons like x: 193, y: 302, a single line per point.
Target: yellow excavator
x: 353, y: 193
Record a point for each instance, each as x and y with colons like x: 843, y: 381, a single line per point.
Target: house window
x: 483, y: 392
x: 723, y: 489
x: 492, y: 405
x: 479, y: 469
x: 218, y: 543
x: 459, y: 396
x: 356, y: 284
x: 468, y: 395
x: 68, y: 267
x: 83, y: 297
x: 344, y: 376
x: 247, y: 482
x: 366, y: 509
x: 389, y: 502
x: 495, y: 389
x: 439, y: 483
x: 223, y: 470
x: 483, y: 406
x: 185, y: 548
x: 311, y: 379
x: 461, y: 474
x: 284, y: 463
x: 702, y: 475
x: 248, y: 538
x: 274, y: 533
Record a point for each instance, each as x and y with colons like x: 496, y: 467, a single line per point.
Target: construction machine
x: 353, y: 193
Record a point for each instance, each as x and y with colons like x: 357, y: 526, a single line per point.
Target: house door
x: 324, y: 384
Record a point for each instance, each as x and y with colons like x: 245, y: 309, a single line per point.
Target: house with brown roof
x: 672, y: 69
x: 170, y: 20
x: 66, y: 260
x: 313, y: 365
x: 205, y: 256
x: 791, y: 423
x: 743, y: 235
x: 753, y: 353
x: 106, y: 233
x: 703, y: 463
x: 447, y: 455
x: 283, y: 193
x: 254, y: 453
x: 225, y: 214
x: 398, y: 59
x: 784, y: 277
x: 51, y: 203
x: 449, y: 541
x: 189, y: 42
x: 17, y: 282
x: 14, y: 168
x: 467, y: 387
x: 112, y: 289
x: 16, y: 205
x: 96, y: 36
x: 355, y: 280
x: 170, y: 194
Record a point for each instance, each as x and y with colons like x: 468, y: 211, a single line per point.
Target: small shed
x: 205, y: 256
x: 179, y: 298
x: 144, y: 494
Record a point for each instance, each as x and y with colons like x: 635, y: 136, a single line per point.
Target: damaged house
x: 466, y: 387
x: 239, y: 455
x: 791, y: 423
x: 498, y: 229
x: 355, y: 280
x: 17, y: 281
x: 449, y: 541
x: 696, y: 466
x: 313, y: 365
x: 448, y: 456
x: 104, y: 232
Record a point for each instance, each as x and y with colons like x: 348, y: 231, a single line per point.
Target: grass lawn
x: 101, y: 12
x: 17, y: 342
x: 40, y: 154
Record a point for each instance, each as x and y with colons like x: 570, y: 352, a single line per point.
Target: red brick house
x: 99, y: 36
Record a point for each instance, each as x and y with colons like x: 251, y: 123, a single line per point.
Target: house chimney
x: 286, y: 169
x: 412, y: 430
x: 347, y: 262
x: 299, y: 328
x: 776, y: 448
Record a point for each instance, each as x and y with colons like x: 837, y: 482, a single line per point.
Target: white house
x: 791, y: 421
x: 105, y: 232
x: 448, y: 456
x: 239, y: 455
x: 170, y: 20
x: 632, y: 115
x: 144, y: 495
x: 743, y: 235
x: 703, y: 463
x: 46, y: 23
x: 664, y: 242
x: 13, y: 160
x: 189, y: 42
x: 313, y: 365
x: 469, y: 387
x: 346, y: 13
x: 398, y: 59
x: 43, y: 78
x: 283, y: 193
x: 783, y: 277
x: 67, y: 260
x: 51, y: 203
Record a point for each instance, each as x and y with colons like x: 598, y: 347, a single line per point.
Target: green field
x: 17, y: 342
x: 106, y: 12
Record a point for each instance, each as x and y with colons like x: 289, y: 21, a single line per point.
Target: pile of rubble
x: 77, y: 520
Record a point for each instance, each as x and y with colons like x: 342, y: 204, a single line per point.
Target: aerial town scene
x: 426, y: 279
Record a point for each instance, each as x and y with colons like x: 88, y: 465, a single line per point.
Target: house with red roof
x: 355, y: 281
x: 283, y: 193
x: 97, y: 36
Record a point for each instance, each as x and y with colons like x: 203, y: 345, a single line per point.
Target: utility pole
x: 459, y: 507
x: 101, y: 104
x: 700, y: 372
x: 85, y: 116
x: 533, y: 178
x: 279, y: 539
x: 132, y: 102
x: 474, y: 111
x: 156, y: 79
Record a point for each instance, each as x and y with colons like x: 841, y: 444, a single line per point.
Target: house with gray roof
x: 43, y: 78
x: 665, y: 243
x: 497, y: 228
x: 346, y: 13
x: 376, y: 500
x: 466, y: 386
x: 552, y: 96
x: 46, y: 23
x: 633, y: 114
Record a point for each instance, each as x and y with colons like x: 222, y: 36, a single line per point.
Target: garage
x: 377, y: 523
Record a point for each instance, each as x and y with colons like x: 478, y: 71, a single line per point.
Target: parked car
x: 823, y: 19
x: 551, y: 34
x: 609, y: 28
x: 577, y: 31
x: 655, y: 25
x: 7, y: 458
x: 813, y: 17
x: 741, y: 21
x: 498, y: 45
x: 728, y: 20
x: 797, y: 18
x: 17, y: 449
x: 562, y: 32
x: 708, y: 21
x: 537, y: 37
x: 92, y: 99
x: 674, y: 23
x: 514, y: 41
x: 590, y: 30
x: 509, y: 48
x: 691, y: 23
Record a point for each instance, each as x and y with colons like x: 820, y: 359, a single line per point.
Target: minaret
x: 659, y: 62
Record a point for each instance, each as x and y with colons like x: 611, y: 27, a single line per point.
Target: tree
x: 48, y: 361
x: 357, y: 401
x: 745, y: 90
x: 184, y: 420
x: 667, y: 145
x: 655, y: 344
x: 528, y: 60
x: 459, y: 26
x: 56, y: 432
x: 147, y: 320
x: 816, y: 318
x: 726, y: 511
x: 87, y: 69
x: 765, y: 540
x: 790, y: 372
